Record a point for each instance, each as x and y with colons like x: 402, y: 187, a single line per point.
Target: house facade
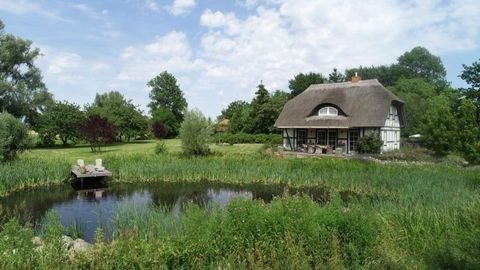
x: 330, y: 118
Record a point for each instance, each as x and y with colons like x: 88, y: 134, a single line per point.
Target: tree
x: 336, y: 76
x: 262, y: 114
x: 22, y: 92
x: 416, y: 94
x: 63, y: 119
x: 420, y: 63
x: 231, y: 109
x: 386, y: 75
x: 13, y: 136
x: 98, y: 131
x: 159, y: 130
x: 166, y: 94
x: 439, y: 126
x: 127, y: 118
x: 196, y: 132
x: 468, y: 131
x: 471, y: 75
x: 302, y: 81
x: 240, y: 120
x: 278, y: 100
x: 168, y: 119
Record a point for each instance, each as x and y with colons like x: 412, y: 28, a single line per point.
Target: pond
x: 91, y: 205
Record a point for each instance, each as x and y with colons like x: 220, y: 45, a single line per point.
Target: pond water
x: 90, y: 205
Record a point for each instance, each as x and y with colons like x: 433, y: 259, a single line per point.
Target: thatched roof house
x: 331, y: 117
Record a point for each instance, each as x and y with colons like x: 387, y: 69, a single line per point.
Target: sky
x: 220, y: 50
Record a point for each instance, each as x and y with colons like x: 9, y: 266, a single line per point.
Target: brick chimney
x: 356, y: 78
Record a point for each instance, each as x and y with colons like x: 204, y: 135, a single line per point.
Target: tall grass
x: 380, y: 215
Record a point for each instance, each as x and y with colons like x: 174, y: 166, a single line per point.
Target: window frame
x: 330, y: 111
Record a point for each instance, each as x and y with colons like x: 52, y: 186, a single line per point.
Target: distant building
x: 330, y: 118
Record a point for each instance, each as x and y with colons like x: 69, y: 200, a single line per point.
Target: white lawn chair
x: 98, y: 165
x: 80, y: 163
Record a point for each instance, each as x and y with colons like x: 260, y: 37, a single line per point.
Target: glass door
x: 332, y: 139
x: 353, y: 135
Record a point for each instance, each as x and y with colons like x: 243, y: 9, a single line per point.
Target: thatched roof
x: 362, y: 104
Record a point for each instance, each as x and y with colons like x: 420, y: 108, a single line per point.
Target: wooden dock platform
x: 89, y: 172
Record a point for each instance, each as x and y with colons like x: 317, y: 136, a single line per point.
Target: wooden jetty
x: 89, y: 172
x: 82, y: 171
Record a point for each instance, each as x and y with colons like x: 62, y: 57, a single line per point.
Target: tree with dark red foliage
x: 159, y: 130
x: 98, y: 131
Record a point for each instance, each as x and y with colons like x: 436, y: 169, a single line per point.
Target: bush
x: 160, y: 148
x: 248, y: 138
x: 13, y: 136
x: 195, y: 133
x: 472, y: 153
x: 371, y: 144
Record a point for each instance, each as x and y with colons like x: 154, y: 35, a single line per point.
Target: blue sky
x: 220, y: 50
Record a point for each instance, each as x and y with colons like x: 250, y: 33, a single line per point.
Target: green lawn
x: 145, y: 147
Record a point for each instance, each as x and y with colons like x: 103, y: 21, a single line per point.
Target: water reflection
x: 89, y: 205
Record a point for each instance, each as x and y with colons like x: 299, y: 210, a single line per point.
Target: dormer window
x: 328, y: 111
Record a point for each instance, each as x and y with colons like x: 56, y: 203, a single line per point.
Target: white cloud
x: 169, y: 52
x: 22, y: 7
x: 180, y: 7
x: 74, y: 77
x: 152, y: 5
x: 285, y: 37
x: 276, y: 41
x: 89, y: 11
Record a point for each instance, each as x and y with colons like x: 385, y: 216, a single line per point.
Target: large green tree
x: 420, y: 63
x: 122, y: 113
x: 416, y: 94
x: 167, y: 119
x: 416, y: 63
x: 262, y: 114
x: 471, y: 75
x: 63, y: 119
x: 166, y: 94
x: 386, y: 75
x: 302, y: 81
x: 22, y: 92
x: 468, y: 130
x: 278, y: 99
x: 231, y: 109
x: 439, y: 126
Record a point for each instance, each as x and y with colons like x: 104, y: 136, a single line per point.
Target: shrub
x: 371, y: 144
x: 248, y: 138
x: 13, y: 136
x: 160, y: 148
x: 195, y: 133
x: 472, y: 153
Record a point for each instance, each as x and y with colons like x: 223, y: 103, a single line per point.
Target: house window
x: 328, y: 111
x: 321, y: 137
x: 301, y: 137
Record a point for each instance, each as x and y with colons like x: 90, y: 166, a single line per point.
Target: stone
x: 80, y: 245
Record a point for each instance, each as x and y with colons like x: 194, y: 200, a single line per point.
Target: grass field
x: 138, y: 147
x: 392, y: 216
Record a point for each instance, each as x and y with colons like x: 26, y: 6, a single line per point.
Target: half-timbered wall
x: 390, y: 132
